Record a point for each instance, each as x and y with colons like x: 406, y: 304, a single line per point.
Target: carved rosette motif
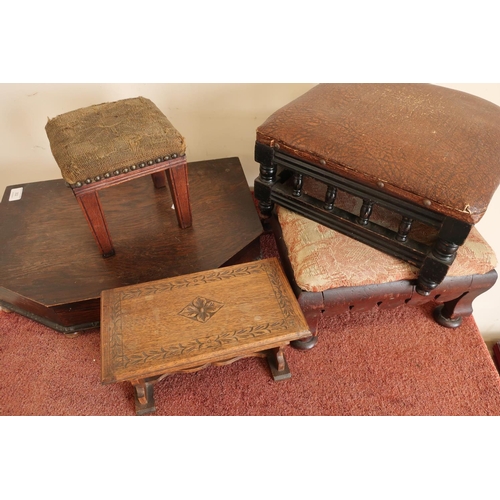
x: 201, y: 309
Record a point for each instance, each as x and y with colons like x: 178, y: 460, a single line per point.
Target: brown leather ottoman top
x: 433, y: 146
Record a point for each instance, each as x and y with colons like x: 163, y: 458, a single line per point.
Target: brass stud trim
x: 125, y: 170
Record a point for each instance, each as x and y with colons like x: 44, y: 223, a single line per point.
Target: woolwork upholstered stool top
x: 106, y: 144
x: 332, y: 273
x: 428, y: 153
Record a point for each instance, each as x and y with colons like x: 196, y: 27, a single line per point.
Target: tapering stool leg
x: 159, y: 179
x: 92, y: 209
x: 179, y: 188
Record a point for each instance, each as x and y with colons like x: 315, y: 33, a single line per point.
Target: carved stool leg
x: 443, y: 315
x: 92, y: 209
x: 144, y: 396
x: 159, y: 179
x: 179, y: 188
x: 450, y: 313
x: 277, y: 364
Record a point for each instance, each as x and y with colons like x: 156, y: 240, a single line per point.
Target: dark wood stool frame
x: 173, y: 170
x: 453, y: 296
x: 281, y: 180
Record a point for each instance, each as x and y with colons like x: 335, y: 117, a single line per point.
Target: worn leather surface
x: 103, y: 138
x: 434, y: 146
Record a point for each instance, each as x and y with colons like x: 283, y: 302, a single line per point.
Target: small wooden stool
x: 184, y: 324
x: 107, y: 144
x: 427, y: 153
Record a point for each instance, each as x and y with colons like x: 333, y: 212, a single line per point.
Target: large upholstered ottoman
x: 332, y: 273
x: 428, y: 154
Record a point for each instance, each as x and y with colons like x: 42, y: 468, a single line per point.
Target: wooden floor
x: 50, y: 265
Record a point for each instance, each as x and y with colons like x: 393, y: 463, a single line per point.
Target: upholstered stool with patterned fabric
x: 106, y: 144
x: 332, y: 273
x: 428, y: 154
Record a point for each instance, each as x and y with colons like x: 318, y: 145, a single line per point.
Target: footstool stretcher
x: 184, y: 324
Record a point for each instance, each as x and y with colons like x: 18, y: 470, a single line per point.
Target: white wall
x: 218, y: 120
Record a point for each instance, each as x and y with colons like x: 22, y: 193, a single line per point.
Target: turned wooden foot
x: 312, y: 317
x: 450, y: 313
x: 305, y: 344
x: 440, y: 317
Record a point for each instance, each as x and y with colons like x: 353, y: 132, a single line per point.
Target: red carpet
x: 391, y: 362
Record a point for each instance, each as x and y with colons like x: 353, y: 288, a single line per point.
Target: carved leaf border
x: 282, y: 298
x: 210, y: 277
x: 197, y: 345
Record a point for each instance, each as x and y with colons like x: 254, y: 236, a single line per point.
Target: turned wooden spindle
x: 331, y: 194
x: 298, y: 181
x: 404, y: 229
x: 365, y: 212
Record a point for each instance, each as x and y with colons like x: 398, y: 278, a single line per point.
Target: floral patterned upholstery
x: 322, y: 258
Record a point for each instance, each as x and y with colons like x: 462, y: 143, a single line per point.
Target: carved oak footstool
x: 106, y: 144
x: 184, y: 324
x: 333, y: 274
x: 424, y: 152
